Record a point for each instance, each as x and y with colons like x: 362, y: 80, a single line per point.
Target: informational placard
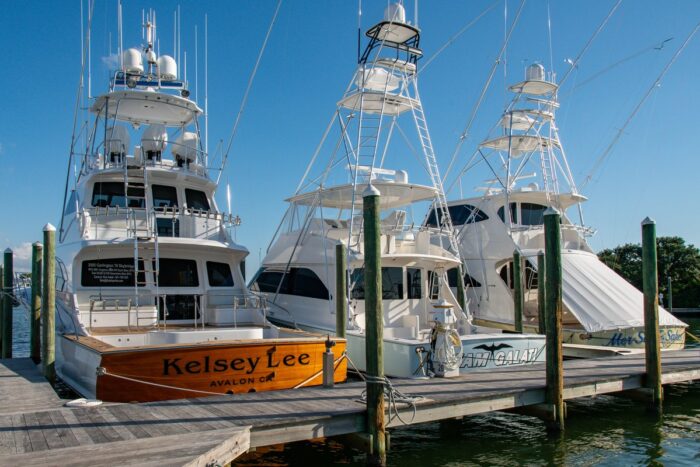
x: 114, y: 272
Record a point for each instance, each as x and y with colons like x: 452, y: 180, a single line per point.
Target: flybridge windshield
x: 111, y: 194
x: 460, y: 214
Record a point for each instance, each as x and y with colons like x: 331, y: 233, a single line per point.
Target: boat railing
x: 195, y: 162
x: 109, y: 221
x: 577, y: 228
x: 136, y: 311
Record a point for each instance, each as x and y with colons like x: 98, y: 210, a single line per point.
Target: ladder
x: 142, y: 228
x: 368, y: 134
x: 440, y: 204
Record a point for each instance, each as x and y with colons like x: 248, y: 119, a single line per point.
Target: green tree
x: 676, y: 260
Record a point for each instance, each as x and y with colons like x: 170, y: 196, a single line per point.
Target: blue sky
x: 309, y: 60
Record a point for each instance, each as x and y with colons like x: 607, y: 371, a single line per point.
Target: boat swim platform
x: 167, y: 432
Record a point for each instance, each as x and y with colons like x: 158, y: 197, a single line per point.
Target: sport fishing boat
x: 426, y: 329
x: 151, y: 297
x: 530, y: 173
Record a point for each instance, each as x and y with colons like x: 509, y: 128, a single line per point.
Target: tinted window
x: 415, y: 284
x: 392, y: 284
x: 460, y: 214
x: 297, y: 281
x: 112, y: 194
x: 164, y: 196
x: 167, y: 228
x: 113, y: 272
x: 532, y: 214
x: 178, y: 273
x: 513, y: 213
x: 305, y: 283
x: 469, y: 281
x: 466, y: 214
x: 219, y: 274
x: 196, y: 199
x: 267, y: 281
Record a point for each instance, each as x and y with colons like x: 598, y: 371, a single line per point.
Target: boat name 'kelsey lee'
x: 248, y: 365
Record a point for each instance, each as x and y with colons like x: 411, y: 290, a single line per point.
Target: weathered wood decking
x: 178, y: 432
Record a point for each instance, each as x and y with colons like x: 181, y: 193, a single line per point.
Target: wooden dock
x: 170, y: 432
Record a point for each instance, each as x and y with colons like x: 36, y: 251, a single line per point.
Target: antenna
x: 206, y: 93
x: 196, y: 66
x: 185, y: 69
x: 415, y: 12
x: 359, y: 27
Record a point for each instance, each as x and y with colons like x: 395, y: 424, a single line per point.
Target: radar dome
x: 185, y: 148
x: 167, y: 67
x: 133, y: 62
x: 534, y: 72
x: 154, y: 139
x: 395, y: 13
x: 118, y: 142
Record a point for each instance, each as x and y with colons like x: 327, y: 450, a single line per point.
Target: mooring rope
x: 103, y: 371
x: 393, y: 395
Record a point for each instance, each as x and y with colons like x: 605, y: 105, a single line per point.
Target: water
x: 600, y: 431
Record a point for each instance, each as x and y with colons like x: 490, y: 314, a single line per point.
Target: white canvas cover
x: 601, y: 299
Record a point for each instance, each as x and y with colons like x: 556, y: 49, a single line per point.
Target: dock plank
x: 167, y: 432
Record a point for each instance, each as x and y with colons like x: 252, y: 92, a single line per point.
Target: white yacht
x: 151, y: 297
x: 426, y: 330
x: 529, y: 172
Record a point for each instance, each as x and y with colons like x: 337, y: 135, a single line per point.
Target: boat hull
x: 151, y: 373
x: 404, y: 358
x: 672, y: 337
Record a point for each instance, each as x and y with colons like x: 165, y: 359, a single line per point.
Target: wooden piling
x: 553, y: 311
x: 341, y: 290
x: 48, y: 304
x: 541, y: 281
x: 374, y: 326
x: 651, y: 313
x: 2, y: 301
x: 7, y: 305
x: 518, y: 292
x: 35, y: 304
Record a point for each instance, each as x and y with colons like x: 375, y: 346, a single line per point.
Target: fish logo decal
x: 493, y: 347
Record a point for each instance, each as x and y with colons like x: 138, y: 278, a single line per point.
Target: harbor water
x: 600, y: 431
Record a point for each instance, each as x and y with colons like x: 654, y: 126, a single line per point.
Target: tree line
x: 675, y: 259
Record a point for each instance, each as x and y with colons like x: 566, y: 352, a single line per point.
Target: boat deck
x: 129, y: 433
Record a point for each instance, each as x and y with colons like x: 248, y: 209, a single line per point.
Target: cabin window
x: 507, y: 274
x: 168, y: 227
x: 460, y: 214
x: 112, y: 272
x: 219, y: 274
x: 532, y: 214
x: 392, y: 284
x: 266, y: 281
x: 178, y: 273
x: 305, y: 283
x: 196, y: 200
x: 302, y: 282
x: 415, y: 283
x: 469, y: 281
x: 433, y: 285
x: 164, y: 196
x: 513, y: 213
x: 111, y: 194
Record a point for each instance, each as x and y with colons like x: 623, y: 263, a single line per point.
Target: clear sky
x: 308, y: 62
